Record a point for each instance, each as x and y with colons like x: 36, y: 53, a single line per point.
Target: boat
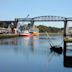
x: 25, y: 33
x: 27, y: 30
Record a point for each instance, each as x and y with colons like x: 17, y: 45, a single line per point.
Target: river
x: 24, y: 54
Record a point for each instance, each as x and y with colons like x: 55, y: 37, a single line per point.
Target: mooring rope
x: 51, y: 43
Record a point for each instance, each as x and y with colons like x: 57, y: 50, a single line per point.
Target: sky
x: 10, y: 9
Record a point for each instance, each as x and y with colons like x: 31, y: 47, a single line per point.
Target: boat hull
x: 26, y: 35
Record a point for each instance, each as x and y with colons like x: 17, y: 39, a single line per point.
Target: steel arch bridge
x: 45, y: 18
x: 48, y: 18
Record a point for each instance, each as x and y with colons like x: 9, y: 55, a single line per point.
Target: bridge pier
x: 65, y: 28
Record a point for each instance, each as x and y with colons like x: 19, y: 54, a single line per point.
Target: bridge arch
x: 43, y: 18
x: 49, y: 18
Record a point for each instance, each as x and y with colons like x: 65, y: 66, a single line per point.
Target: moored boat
x: 25, y: 33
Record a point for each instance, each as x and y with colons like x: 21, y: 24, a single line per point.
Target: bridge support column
x: 65, y: 29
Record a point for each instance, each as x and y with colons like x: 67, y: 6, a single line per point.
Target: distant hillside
x: 43, y: 28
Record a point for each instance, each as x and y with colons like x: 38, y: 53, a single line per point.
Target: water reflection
x: 68, y: 61
x: 32, y: 44
x: 68, y: 55
x: 11, y: 41
x: 26, y: 44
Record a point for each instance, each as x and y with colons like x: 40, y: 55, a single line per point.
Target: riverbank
x: 3, y: 36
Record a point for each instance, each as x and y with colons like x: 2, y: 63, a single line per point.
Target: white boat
x: 25, y: 33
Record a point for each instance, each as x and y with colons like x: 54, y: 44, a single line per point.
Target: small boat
x: 56, y: 49
x: 25, y: 33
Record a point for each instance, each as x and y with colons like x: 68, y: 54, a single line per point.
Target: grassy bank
x: 3, y: 36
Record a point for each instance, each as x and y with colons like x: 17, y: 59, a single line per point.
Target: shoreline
x: 3, y: 36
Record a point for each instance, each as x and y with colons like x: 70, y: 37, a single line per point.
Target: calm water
x: 23, y: 54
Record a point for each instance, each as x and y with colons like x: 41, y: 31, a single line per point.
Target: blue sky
x: 10, y: 9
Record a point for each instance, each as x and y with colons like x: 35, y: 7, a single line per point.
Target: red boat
x: 26, y: 33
